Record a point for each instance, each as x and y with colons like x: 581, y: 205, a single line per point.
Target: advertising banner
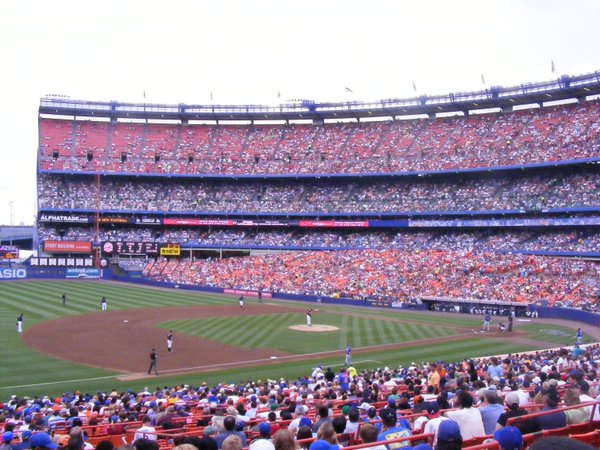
x: 9, y: 252
x: 199, y: 222
x: 333, y: 223
x: 13, y: 274
x: 83, y: 273
x: 67, y: 246
x: 170, y: 250
x: 121, y: 220
x: 64, y: 218
x: 146, y: 221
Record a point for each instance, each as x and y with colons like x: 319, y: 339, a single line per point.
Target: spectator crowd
x: 509, y: 399
x: 547, y: 134
x: 397, y: 275
x: 391, y: 195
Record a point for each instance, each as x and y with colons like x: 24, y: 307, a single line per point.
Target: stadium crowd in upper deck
x: 582, y: 241
x: 522, y: 137
x: 397, y: 274
x: 528, y: 192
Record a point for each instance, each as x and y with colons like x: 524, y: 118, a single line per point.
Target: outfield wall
x: 574, y: 315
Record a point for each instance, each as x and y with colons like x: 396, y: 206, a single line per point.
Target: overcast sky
x: 248, y: 51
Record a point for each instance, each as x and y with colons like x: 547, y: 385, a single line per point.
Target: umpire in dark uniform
x: 153, y: 361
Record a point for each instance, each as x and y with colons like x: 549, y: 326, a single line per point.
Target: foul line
x: 60, y: 382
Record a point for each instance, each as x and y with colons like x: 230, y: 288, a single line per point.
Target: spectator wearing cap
x: 25, y: 443
x: 509, y: 438
x: 525, y: 426
x: 41, y: 440
x: 7, y: 438
x: 364, y: 408
x: 449, y: 436
x: 229, y: 430
x: 468, y: 418
x: 372, y: 416
x: 389, y: 429
x: 490, y: 410
x: 552, y: 421
x: 263, y: 441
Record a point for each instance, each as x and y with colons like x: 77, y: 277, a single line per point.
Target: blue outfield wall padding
x: 575, y: 315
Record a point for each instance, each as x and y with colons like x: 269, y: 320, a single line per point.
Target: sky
x: 248, y: 51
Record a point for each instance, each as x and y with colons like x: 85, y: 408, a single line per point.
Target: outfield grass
x: 23, y: 371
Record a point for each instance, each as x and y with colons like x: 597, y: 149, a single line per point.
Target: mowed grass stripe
x: 208, y: 327
x: 389, y: 331
x: 370, y: 326
x: 357, y: 336
x: 240, y: 331
x: 344, y: 334
x: 264, y: 336
x: 221, y: 329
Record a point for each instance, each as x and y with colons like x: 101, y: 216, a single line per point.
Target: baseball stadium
x: 268, y: 242
x: 316, y: 225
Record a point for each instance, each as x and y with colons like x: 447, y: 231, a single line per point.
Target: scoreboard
x: 129, y: 248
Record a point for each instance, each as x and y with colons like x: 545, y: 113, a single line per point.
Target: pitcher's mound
x: 313, y: 328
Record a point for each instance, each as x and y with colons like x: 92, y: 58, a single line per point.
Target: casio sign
x: 8, y: 274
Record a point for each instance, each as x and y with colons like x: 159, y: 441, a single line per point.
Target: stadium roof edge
x: 566, y: 87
